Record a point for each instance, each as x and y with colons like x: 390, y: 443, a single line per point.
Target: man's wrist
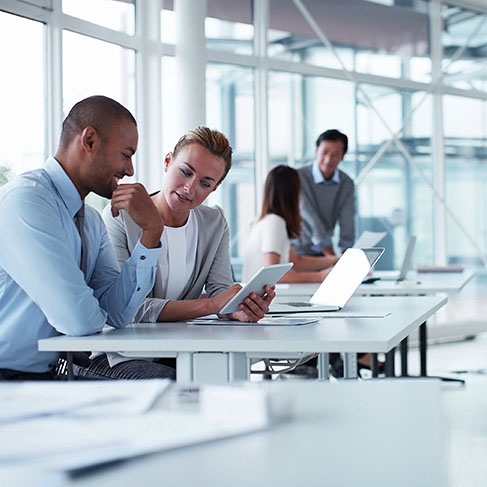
x: 150, y: 239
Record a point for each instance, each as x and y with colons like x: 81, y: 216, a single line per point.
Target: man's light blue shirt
x: 43, y: 292
x: 318, y: 177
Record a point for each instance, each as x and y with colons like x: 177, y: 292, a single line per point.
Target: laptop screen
x: 408, y: 256
x: 347, y: 275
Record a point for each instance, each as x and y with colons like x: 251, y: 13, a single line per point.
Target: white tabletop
x: 330, y: 334
x: 393, y: 433
x: 415, y: 284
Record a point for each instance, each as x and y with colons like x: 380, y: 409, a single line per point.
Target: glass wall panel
x: 21, y: 96
x: 386, y: 40
x: 393, y: 197
x: 111, y: 73
x: 228, y: 25
x: 467, y: 28
x: 466, y: 177
x: 116, y: 15
x: 170, y: 134
x: 230, y: 109
x: 168, y: 22
x: 300, y: 108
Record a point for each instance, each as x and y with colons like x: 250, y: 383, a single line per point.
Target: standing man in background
x: 328, y: 198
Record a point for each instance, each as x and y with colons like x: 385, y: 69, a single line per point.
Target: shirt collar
x: 64, y: 186
x: 318, y: 177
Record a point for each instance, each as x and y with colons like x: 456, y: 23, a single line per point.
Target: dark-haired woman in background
x: 269, y: 241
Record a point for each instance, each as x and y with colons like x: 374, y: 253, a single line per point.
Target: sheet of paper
x: 369, y: 239
x: 266, y: 321
x: 193, y: 415
x: 336, y: 314
x: 83, y: 398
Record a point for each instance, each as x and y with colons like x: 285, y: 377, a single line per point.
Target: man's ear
x: 88, y: 139
x: 167, y: 160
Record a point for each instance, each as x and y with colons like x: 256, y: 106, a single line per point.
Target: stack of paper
x: 65, y: 426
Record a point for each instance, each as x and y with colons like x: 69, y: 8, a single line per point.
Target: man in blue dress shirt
x: 43, y: 290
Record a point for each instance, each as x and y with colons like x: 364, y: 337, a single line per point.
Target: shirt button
x: 50, y: 365
x: 142, y: 257
x: 138, y: 289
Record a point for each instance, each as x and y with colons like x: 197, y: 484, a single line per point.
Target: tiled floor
x: 465, y: 407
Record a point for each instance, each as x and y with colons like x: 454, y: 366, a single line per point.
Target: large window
x: 464, y: 31
x: 21, y: 96
x: 111, y: 73
x: 273, y: 95
x: 466, y: 178
x: 367, y: 37
x: 301, y: 108
x: 396, y: 195
x: 116, y: 15
x: 228, y: 26
x: 230, y: 102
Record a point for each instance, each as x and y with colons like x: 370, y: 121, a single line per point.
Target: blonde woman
x: 195, y: 254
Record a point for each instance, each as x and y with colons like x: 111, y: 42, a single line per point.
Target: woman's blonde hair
x: 212, y: 140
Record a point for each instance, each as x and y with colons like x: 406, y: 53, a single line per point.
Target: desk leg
x: 238, y: 367
x: 184, y: 367
x: 374, y: 365
x: 323, y: 366
x: 212, y: 367
x: 404, y: 357
x: 350, y: 366
x: 422, y: 349
x: 389, y: 365
x: 69, y: 360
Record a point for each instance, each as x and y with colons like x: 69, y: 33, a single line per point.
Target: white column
x: 261, y: 21
x: 438, y: 150
x: 190, y: 64
x: 54, y: 80
x: 149, y: 96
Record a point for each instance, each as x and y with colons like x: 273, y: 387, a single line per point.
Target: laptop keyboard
x: 299, y: 304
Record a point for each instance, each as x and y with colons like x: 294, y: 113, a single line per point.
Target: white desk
x: 393, y: 433
x: 416, y: 284
x: 219, y: 354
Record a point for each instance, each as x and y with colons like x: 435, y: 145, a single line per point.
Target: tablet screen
x: 267, y: 275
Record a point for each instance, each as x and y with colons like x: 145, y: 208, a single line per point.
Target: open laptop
x: 406, y: 263
x: 339, y: 286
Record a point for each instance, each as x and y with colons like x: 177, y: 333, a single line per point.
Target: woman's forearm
x: 308, y: 263
x: 186, y: 310
x: 304, y: 276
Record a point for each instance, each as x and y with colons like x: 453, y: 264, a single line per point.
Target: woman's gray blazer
x: 212, y: 270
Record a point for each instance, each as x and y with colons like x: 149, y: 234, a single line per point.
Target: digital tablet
x: 267, y: 275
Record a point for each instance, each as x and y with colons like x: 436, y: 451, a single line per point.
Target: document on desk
x: 266, y: 321
x: 335, y: 314
x: 30, y: 400
x: 66, y: 441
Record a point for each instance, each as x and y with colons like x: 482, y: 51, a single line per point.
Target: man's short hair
x: 212, y: 140
x: 333, y: 134
x: 100, y: 112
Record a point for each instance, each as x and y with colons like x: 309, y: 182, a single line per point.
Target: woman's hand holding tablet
x: 266, y: 276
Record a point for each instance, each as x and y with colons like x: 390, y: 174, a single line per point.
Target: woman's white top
x: 177, y: 259
x: 176, y: 263
x: 268, y: 235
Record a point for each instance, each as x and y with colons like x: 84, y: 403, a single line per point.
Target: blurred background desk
x: 395, y: 437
